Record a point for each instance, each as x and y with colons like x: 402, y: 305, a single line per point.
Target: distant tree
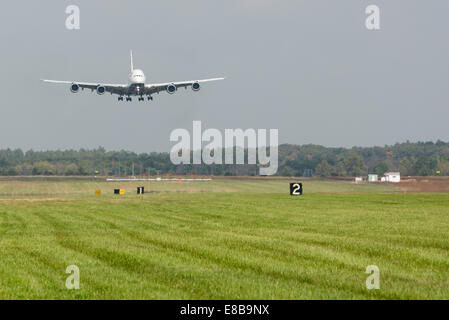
x: 323, y: 169
x: 11, y: 172
x: 425, y: 166
x: 407, y: 166
x: 71, y: 169
x: 354, y: 164
x: 43, y: 168
x: 340, y: 169
x: 380, y: 168
x: 82, y: 169
x: 19, y: 169
x: 293, y: 160
x: 286, y: 171
x: 443, y: 166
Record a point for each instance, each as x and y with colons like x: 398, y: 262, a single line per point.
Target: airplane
x: 136, y: 85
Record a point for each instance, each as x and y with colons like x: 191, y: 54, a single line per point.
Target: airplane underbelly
x: 136, y: 89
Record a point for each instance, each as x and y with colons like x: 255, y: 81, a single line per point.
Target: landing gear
x: 128, y: 98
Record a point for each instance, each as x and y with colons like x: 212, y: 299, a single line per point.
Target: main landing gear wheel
x: 150, y: 98
x: 141, y: 98
x: 120, y: 98
x: 129, y: 99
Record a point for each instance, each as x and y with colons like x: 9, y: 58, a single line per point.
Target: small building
x: 358, y: 179
x: 394, y: 177
x: 373, y: 178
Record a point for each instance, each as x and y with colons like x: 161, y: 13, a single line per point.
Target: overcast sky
x: 309, y: 68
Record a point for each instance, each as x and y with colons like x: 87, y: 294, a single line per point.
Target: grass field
x: 226, y: 239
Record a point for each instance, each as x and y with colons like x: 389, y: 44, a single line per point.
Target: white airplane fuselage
x: 136, y: 81
x: 137, y: 77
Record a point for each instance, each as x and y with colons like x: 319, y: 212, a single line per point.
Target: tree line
x: 413, y: 159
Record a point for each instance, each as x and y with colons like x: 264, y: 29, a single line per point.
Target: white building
x: 393, y: 177
x: 373, y: 178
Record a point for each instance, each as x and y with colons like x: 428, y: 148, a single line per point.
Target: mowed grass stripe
x: 227, y: 246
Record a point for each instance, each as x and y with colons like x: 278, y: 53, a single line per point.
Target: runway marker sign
x: 296, y: 189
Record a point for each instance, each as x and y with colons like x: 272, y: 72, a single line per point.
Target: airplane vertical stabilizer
x: 132, y: 65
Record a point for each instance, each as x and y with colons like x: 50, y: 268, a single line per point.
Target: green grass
x: 86, y: 186
x: 252, y: 242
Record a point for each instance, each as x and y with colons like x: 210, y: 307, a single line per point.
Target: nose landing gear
x: 120, y: 98
x: 150, y: 98
x: 128, y: 98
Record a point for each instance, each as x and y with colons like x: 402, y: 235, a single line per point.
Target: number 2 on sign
x: 295, y: 189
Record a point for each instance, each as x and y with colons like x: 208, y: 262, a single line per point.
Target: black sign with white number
x: 296, y: 189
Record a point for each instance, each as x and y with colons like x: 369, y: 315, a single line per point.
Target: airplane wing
x: 112, y: 88
x: 158, y: 87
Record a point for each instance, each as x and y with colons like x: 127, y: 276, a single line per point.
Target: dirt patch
x: 424, y: 185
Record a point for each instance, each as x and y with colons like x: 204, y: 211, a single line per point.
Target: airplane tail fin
x: 132, y: 65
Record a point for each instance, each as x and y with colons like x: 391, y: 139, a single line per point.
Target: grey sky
x: 308, y: 68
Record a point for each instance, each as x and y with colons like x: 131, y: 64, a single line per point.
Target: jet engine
x: 101, y: 90
x: 74, y: 87
x: 171, y: 88
x: 196, y: 86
